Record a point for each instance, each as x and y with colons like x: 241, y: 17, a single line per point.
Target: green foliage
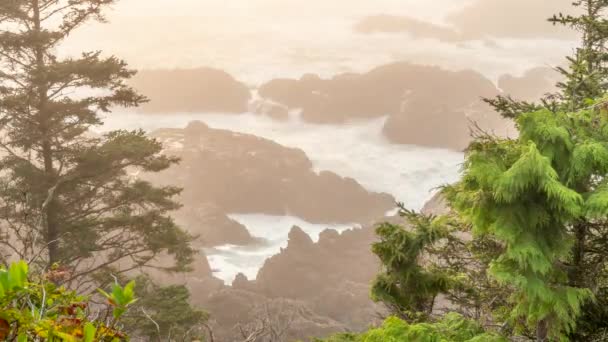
x: 551, y: 182
x: 39, y: 310
x: 530, y: 193
x: 536, y: 207
x: 404, y: 285
x: 587, y: 73
x: 429, y: 256
x: 120, y: 298
x: 452, y: 328
x: 66, y: 195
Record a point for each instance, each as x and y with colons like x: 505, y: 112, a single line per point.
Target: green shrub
x: 35, y: 309
x: 452, y: 328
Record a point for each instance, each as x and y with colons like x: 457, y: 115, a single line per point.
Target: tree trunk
x: 49, y: 209
x: 542, y: 331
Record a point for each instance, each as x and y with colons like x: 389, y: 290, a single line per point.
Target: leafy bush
x: 35, y: 309
x: 452, y: 328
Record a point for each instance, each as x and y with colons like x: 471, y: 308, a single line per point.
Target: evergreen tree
x: 433, y: 256
x: 539, y: 201
x: 525, y: 192
x: 585, y: 77
x: 404, y: 285
x: 587, y: 74
x: 68, y: 197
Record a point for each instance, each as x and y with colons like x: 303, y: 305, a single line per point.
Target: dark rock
x: 217, y: 167
x: 242, y: 283
x: 532, y: 85
x: 212, y: 226
x: 429, y: 124
x: 305, y: 269
x: 427, y: 106
x: 191, y: 90
x: 299, y: 240
x: 270, y: 109
x: 376, y: 93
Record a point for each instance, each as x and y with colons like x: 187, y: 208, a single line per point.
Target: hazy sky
x: 261, y: 39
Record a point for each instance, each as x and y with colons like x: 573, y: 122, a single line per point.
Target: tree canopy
x: 68, y: 196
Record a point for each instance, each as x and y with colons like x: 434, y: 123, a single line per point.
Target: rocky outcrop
x: 212, y: 226
x: 332, y: 276
x: 429, y: 124
x: 385, y: 23
x: 532, y: 85
x: 270, y: 109
x: 320, y: 287
x: 241, y: 173
x: 427, y: 106
x: 309, y: 289
x: 191, y: 90
x: 382, y: 91
x: 304, y: 269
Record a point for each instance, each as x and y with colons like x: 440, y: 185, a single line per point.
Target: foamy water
x: 229, y: 260
x: 357, y: 150
x: 258, y: 40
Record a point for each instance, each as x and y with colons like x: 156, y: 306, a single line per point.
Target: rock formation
x: 270, y: 109
x: 309, y: 289
x: 191, y: 90
x: 213, y: 226
x: 427, y: 106
x: 532, y: 85
x: 227, y: 172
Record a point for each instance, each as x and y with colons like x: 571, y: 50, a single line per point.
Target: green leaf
x: 129, y: 292
x: 17, y: 274
x: 104, y: 293
x: 89, y: 332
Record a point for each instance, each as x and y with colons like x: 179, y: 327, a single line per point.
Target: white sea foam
x: 258, y: 40
x: 229, y: 260
x: 357, y: 150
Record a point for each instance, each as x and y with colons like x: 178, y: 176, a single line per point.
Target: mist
x: 272, y: 140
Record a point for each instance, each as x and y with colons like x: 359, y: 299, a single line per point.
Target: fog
x: 302, y: 124
x: 263, y: 39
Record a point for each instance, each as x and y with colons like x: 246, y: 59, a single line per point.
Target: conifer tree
x: 540, y: 199
x: 404, y: 285
x: 427, y: 257
x: 586, y: 76
x: 68, y: 197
